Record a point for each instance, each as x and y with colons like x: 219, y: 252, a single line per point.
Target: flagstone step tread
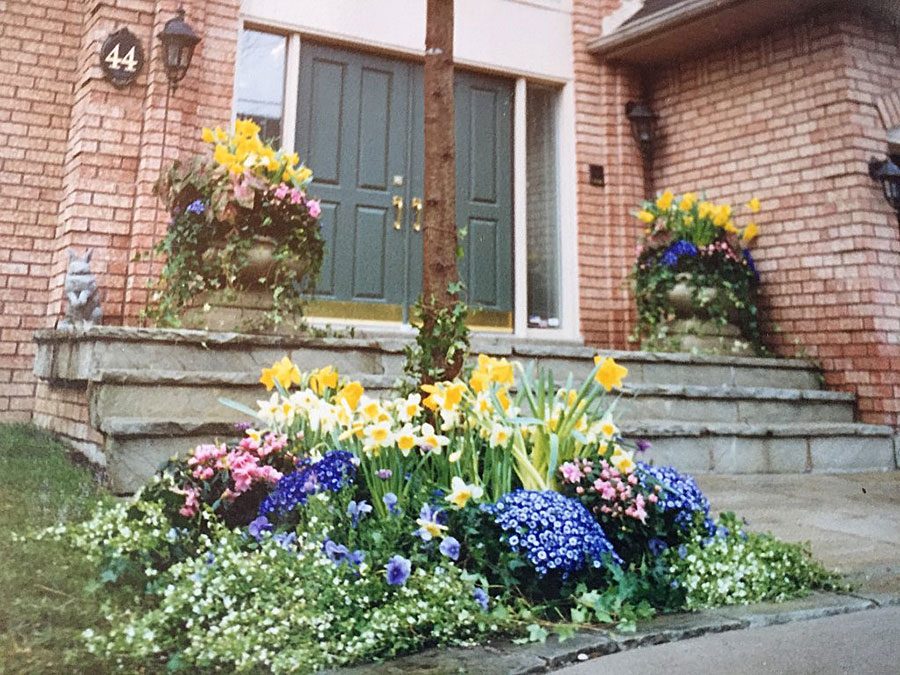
x: 201, y: 378
x: 805, y: 429
x: 136, y: 426
x: 498, y: 345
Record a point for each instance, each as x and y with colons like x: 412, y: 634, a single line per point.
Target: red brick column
x: 607, y: 233
x: 39, y: 50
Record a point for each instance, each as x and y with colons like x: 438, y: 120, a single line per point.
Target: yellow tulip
x: 665, y: 200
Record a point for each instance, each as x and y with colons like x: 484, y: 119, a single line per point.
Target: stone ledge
x: 502, y: 656
x: 805, y: 429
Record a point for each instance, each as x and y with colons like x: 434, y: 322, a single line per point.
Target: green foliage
x: 243, y: 606
x: 48, y: 598
x: 215, y: 250
x: 442, y: 340
x: 738, y: 568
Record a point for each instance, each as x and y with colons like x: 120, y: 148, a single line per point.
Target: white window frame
x: 570, y: 326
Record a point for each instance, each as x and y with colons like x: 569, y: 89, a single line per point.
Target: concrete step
x: 136, y: 447
x: 154, y: 395
x: 768, y: 448
x: 83, y: 355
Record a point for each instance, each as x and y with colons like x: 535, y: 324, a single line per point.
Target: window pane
x: 260, y: 81
x: 542, y: 209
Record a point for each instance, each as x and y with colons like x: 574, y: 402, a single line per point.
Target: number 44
x: 116, y: 62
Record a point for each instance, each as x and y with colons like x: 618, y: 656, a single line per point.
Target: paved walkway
x: 851, y: 520
x: 853, y: 524
x: 864, y: 642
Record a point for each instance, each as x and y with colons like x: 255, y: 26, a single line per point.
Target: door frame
x: 566, y: 172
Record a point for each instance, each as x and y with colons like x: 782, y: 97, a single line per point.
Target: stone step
x: 82, y: 355
x: 152, y: 394
x: 768, y: 448
x: 137, y: 447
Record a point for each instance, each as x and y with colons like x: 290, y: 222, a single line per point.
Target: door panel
x: 484, y: 189
x: 353, y: 131
x: 360, y: 126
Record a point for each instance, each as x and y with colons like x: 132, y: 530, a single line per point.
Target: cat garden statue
x: 82, y: 294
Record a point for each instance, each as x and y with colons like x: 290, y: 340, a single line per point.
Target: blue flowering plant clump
x: 681, y: 501
x: 555, y: 535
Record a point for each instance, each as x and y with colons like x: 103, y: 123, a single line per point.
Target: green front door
x: 360, y: 128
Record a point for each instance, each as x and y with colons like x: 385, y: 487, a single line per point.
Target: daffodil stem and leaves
x: 691, y: 240
x: 224, y: 206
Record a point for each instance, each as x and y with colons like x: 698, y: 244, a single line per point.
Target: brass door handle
x: 417, y: 208
x: 397, y: 201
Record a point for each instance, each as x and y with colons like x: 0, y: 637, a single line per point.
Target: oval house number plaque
x: 121, y: 57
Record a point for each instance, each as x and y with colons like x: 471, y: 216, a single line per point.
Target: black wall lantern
x: 178, y: 41
x: 643, y: 126
x: 887, y: 173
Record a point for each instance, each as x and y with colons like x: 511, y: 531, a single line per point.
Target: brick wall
x: 39, y: 43
x: 792, y: 118
x: 607, y: 234
x: 78, y: 158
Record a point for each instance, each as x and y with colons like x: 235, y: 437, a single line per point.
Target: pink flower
x: 571, y: 473
x: 296, y: 196
x: 281, y: 191
x: 315, y: 207
x: 191, y: 502
x: 653, y: 499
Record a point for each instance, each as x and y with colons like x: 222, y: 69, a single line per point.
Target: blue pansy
x: 450, y: 548
x: 680, y: 248
x: 397, y: 570
x: 196, y: 207
x: 481, y: 597
x: 358, y: 510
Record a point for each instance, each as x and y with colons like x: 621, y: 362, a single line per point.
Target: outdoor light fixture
x: 643, y: 125
x: 887, y: 173
x: 178, y: 41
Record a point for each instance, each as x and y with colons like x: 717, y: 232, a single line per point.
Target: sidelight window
x: 260, y: 81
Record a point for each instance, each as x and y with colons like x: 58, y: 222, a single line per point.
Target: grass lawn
x: 47, y: 595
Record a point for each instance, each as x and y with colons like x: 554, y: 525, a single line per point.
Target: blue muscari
x: 751, y: 265
x: 680, y: 248
x: 335, y: 470
x: 553, y: 532
x: 196, y: 207
x: 680, y: 494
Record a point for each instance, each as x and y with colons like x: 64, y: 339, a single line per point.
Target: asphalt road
x: 866, y: 642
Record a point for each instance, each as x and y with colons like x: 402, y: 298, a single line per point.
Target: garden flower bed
x: 340, y: 528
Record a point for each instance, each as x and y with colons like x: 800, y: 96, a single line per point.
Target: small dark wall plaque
x: 596, y: 175
x: 121, y: 57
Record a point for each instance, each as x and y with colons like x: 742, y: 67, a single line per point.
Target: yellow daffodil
x: 479, y: 381
x: 377, y: 436
x: 646, y: 216
x: 721, y: 215
x: 750, y: 232
x: 454, y: 456
x: 687, y: 201
x: 322, y: 379
x: 254, y: 435
x: 610, y: 373
x: 729, y: 227
x: 409, y: 408
x: 570, y: 396
x: 350, y: 393
x: 753, y: 205
x: 665, y: 200
x: 483, y: 404
x: 370, y: 409
x: 207, y: 135
x: 246, y: 127
x: 705, y: 209
x: 500, y: 436
x: 503, y: 397
x: 431, y: 440
x: 406, y: 439
x: 433, y: 528
x: 622, y: 460
x: 460, y: 493
x: 608, y: 429
x: 284, y: 372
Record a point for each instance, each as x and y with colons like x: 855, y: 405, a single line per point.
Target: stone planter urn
x: 242, y: 311
x: 694, y: 330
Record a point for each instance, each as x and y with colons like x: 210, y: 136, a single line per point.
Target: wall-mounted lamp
x: 643, y: 126
x: 178, y: 41
x: 887, y: 173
